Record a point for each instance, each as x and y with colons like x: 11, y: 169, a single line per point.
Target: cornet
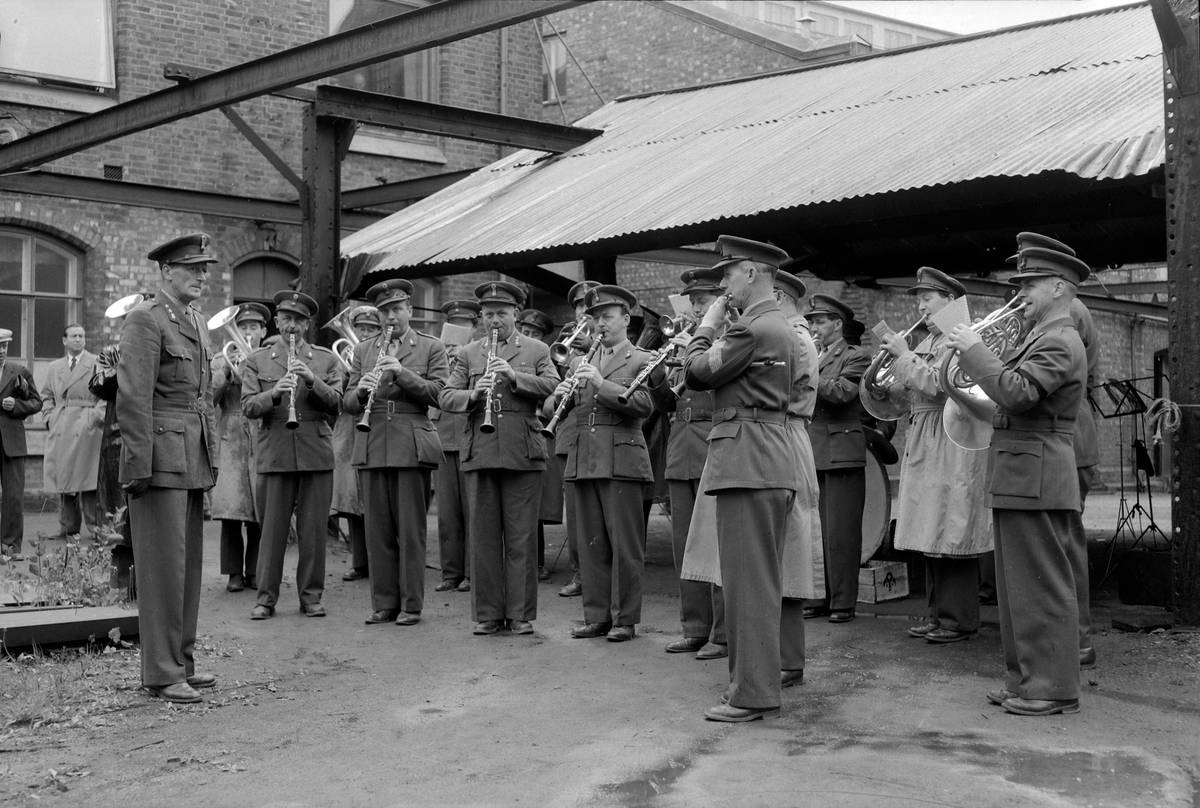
x: 560, y: 350
x: 874, y: 390
x: 236, y: 349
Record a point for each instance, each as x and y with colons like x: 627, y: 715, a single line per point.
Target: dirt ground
x: 314, y: 712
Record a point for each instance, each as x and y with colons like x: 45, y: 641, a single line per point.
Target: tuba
x: 967, y: 417
x: 343, y: 347
x: 236, y: 349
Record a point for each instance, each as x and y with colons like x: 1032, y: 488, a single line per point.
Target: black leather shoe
x: 1000, y: 696
x: 520, y: 626
x: 446, y: 585
x: 543, y: 574
x: 464, y: 585
x: 789, y: 678
x: 841, y: 616
x: 312, y: 610
x: 489, y: 626
x: 814, y: 611
x: 1021, y: 706
x: 944, y: 635
x: 920, y: 632
x: 590, y: 631
x: 236, y: 583
x: 261, y: 612
x: 382, y: 616
x: 179, y: 693
x: 621, y: 634
x: 571, y: 590
x: 408, y: 619
x: 1087, y: 658
x: 738, y: 715
x: 251, y: 583
x: 202, y: 680
x: 688, y: 645
x: 713, y: 650
x: 355, y: 574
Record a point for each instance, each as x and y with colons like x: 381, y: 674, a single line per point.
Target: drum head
x: 877, y: 506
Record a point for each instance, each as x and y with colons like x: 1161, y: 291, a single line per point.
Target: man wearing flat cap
x: 293, y: 388
x: 164, y: 406
x: 941, y: 509
x: 399, y: 376
x: 608, y: 464
x: 839, y: 447
x: 347, y: 499
x: 536, y: 325
x: 1032, y: 486
x: 754, y: 471
x: 503, y: 463
x: 454, y: 508
x: 233, y: 495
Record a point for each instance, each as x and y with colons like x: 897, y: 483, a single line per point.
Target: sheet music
x: 953, y: 313
x: 882, y: 330
x: 456, y: 334
x: 680, y: 304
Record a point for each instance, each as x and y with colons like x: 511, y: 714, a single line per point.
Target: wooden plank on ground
x: 22, y: 628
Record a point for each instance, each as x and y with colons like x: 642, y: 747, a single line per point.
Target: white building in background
x: 818, y: 19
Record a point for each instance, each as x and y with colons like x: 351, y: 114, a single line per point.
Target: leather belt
x: 181, y: 405
x: 604, y: 419
x: 750, y: 414
x: 1034, y: 423
x: 391, y: 407
x: 277, y: 417
x: 692, y: 414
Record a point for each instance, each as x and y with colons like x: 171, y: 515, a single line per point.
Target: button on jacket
x: 836, y: 432
x: 401, y: 436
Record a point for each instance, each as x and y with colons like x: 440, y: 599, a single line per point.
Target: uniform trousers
x: 701, y: 604
x: 12, y: 501
x: 238, y: 558
x: 842, y: 495
x: 308, y: 494
x: 611, y: 538
x: 1039, y: 612
x: 572, y: 544
x: 394, y: 504
x: 953, y: 584
x: 168, y: 552
x: 76, y: 511
x: 1079, y: 558
x: 766, y: 632
x: 358, y: 541
x: 504, y: 543
x: 453, y: 519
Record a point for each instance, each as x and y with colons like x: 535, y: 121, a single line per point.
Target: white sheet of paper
x: 953, y: 313
x: 456, y: 334
x: 680, y: 304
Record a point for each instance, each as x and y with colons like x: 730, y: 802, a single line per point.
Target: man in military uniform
x: 399, y: 380
x: 19, y: 399
x: 454, y: 522
x: 701, y: 604
x: 789, y: 292
x: 503, y: 463
x: 1032, y: 485
x: 840, y: 452
x: 233, y: 495
x: 536, y: 325
x: 164, y: 406
x: 754, y: 473
x: 608, y: 465
x: 295, y: 460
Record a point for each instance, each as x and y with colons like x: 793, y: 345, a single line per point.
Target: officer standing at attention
x: 454, y: 523
x: 840, y: 452
x: 1033, y: 489
x: 164, y: 406
x: 754, y: 469
x: 503, y: 465
x: 402, y: 379
x: 608, y: 465
x: 701, y: 604
x: 294, y: 458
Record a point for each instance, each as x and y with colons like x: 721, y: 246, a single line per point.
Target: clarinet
x: 561, y: 410
x: 487, y: 427
x: 650, y: 367
x: 293, y: 420
x: 364, y: 423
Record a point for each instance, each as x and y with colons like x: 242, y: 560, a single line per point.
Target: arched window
x: 40, y: 294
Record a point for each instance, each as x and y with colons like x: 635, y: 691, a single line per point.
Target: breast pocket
x: 847, y: 443
x: 170, y: 449
x: 1017, y: 468
x: 181, y: 358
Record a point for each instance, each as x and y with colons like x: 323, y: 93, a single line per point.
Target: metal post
x: 324, y: 139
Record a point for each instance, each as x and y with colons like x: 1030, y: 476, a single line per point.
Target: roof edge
x: 735, y: 25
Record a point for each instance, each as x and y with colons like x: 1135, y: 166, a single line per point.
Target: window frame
x: 33, y: 88
x: 554, y: 61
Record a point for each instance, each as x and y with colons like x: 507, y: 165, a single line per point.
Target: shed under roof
x: 935, y: 153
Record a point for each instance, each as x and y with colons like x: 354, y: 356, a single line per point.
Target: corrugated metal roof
x: 1082, y: 96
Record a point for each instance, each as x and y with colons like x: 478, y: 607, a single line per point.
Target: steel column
x: 320, y: 261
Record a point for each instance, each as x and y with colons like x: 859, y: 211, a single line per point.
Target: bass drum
x: 877, y: 506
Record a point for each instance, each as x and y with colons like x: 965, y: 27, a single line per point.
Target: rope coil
x: 1163, y: 412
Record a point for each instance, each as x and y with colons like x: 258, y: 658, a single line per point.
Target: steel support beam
x: 438, y: 119
x: 403, y: 191
x: 320, y: 262
x: 263, y: 147
x: 436, y: 24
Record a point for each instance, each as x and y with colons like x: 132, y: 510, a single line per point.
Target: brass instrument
x: 343, y: 347
x: 561, y: 409
x: 293, y: 420
x: 110, y: 355
x: 236, y: 349
x: 874, y: 390
x: 487, y: 427
x: 364, y: 423
x: 560, y: 351
x: 669, y: 329
x: 967, y: 416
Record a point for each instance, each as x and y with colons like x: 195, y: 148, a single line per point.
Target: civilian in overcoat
x: 19, y: 399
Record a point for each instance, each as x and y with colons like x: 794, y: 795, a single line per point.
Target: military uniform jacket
x: 1031, y: 460
x: 836, y: 430
x: 309, y: 447
x: 517, y: 443
x: 164, y: 396
x: 16, y: 381
x: 1087, y: 441
x: 752, y: 371
x: 450, y: 425
x: 608, y: 443
x: 804, y: 391
x: 401, y: 436
x: 691, y: 415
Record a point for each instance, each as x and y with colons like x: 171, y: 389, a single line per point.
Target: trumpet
x: 561, y: 409
x: 343, y: 347
x: 236, y: 348
x: 669, y: 329
x: 967, y: 416
x: 487, y: 427
x: 293, y: 420
x: 873, y: 390
x: 560, y: 351
x: 364, y: 423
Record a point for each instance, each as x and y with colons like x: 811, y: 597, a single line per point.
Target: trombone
x: 343, y: 347
x: 875, y: 389
x: 236, y: 349
x: 967, y: 416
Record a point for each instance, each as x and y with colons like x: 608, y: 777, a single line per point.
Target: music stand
x: 1122, y: 399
